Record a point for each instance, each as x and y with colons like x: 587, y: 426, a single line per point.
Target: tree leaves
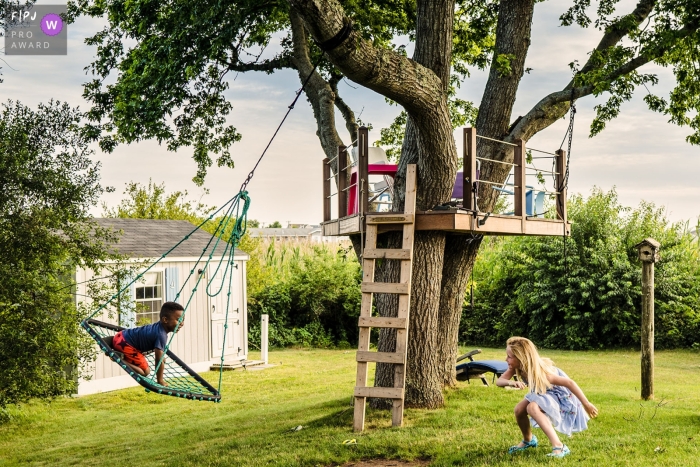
x: 49, y: 184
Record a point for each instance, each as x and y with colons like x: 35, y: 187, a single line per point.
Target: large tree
x: 170, y: 86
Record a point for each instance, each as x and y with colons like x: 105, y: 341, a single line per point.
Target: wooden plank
x: 404, y: 300
x: 383, y: 393
x: 469, y: 168
x: 358, y: 423
x: 386, y: 253
x: 381, y: 357
x: 523, y: 165
x: 519, y: 181
x: 506, y: 224
x: 390, y: 218
x: 362, y: 164
x: 377, y: 322
x: 349, y: 225
x: 436, y: 221
x: 368, y: 266
x: 342, y: 182
x: 385, y: 287
x: 537, y: 227
x: 326, y: 189
x: 560, y: 168
x: 330, y: 228
x: 411, y: 183
x: 397, y: 412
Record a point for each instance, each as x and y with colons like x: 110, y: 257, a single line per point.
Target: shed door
x: 217, y: 307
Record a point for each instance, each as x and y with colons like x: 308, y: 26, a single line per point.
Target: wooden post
x: 560, y: 169
x: 326, y: 190
x: 648, y: 254
x: 264, y: 320
x: 520, y: 181
x: 342, y: 182
x: 469, y: 169
x: 362, y: 170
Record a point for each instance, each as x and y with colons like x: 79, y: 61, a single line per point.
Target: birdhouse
x: 648, y: 250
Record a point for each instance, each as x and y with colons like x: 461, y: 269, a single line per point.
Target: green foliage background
x: 48, y: 185
x: 586, y: 293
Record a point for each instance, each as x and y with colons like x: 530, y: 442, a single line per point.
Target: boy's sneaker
x: 560, y: 452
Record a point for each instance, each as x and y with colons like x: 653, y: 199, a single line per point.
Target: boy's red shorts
x: 131, y: 354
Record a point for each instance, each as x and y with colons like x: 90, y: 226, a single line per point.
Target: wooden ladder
x: 400, y: 323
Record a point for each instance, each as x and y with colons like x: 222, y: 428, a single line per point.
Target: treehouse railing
x: 356, y: 198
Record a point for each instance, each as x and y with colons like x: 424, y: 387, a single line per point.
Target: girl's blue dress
x: 563, y: 408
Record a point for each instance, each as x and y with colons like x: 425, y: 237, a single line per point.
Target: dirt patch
x: 386, y: 463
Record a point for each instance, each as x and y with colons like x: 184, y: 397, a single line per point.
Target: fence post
x: 264, y: 320
x: 648, y: 254
x: 327, y: 190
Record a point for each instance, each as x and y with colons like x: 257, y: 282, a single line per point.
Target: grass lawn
x: 312, y: 388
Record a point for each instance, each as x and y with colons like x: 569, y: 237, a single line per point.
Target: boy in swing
x: 134, y: 342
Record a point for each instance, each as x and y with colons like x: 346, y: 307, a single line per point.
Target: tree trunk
x: 460, y: 256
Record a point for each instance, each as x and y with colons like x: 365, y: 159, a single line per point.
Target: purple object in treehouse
x: 458, y: 190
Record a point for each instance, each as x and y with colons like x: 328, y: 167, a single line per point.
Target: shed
x: 199, y: 344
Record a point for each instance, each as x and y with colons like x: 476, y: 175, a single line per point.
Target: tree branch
x: 399, y: 78
x: 318, y: 91
x: 556, y: 104
x: 620, y: 29
x: 345, y: 110
x: 268, y: 66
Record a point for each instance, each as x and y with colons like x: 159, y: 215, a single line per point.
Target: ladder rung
x: 383, y: 393
x: 398, y: 323
x: 390, y: 218
x: 388, y: 253
x: 381, y: 357
x: 384, y: 287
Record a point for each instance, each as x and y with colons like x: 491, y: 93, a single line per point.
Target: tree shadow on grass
x: 340, y: 414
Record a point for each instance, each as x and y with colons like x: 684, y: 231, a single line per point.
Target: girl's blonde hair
x: 531, y: 364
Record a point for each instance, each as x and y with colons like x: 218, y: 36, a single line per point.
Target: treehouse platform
x: 364, y: 190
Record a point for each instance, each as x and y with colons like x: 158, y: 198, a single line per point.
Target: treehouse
x: 364, y: 182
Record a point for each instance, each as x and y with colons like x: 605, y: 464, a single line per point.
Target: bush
x: 585, y: 292
x: 48, y: 185
x: 311, y: 294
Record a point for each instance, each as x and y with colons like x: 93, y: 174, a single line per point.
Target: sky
x: 640, y: 154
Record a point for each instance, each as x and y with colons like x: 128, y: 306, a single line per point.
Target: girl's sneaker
x: 525, y: 445
x: 560, y: 452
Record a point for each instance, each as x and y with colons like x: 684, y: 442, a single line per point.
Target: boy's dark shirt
x: 146, y: 338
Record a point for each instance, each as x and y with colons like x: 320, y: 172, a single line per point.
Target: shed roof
x: 149, y: 238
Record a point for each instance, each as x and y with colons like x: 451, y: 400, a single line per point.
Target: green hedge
x: 585, y: 293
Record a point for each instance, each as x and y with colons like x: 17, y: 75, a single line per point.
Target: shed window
x: 149, y: 298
